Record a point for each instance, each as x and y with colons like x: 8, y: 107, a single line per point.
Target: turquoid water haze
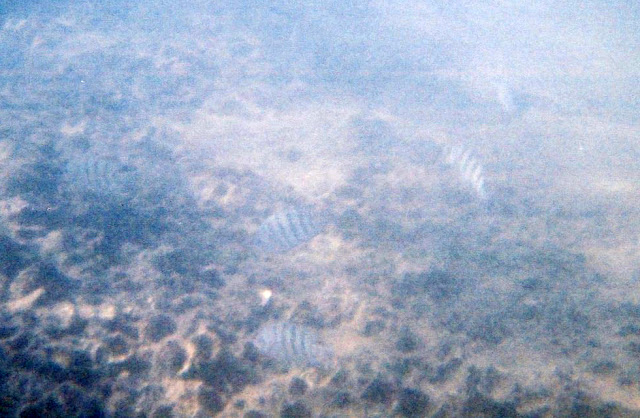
x: 304, y: 208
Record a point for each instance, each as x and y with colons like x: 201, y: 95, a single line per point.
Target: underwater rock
x: 204, y: 346
x: 440, y: 285
x: 136, y: 364
x: 171, y: 358
x: 297, y: 387
x: 48, y: 407
x: 225, y: 373
x: 412, y: 403
x: 604, y: 367
x: 41, y: 284
x: 445, y: 371
x: 629, y: 329
x: 255, y: 414
x: 13, y: 256
x: 159, y: 327
x: 77, y: 402
x: 8, y: 327
x: 373, y: 327
x: 341, y: 399
x: 379, y: 391
x: 407, y: 341
x: 478, y: 405
x: 296, y: 410
x: 125, y: 324
x: 117, y: 344
x: 164, y: 411
x: 210, y: 400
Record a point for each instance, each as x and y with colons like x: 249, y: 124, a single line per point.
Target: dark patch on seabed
x: 127, y: 291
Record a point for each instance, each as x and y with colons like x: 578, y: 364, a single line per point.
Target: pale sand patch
x: 24, y: 303
x: 69, y: 128
x: 308, y: 148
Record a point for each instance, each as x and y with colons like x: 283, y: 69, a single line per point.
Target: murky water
x: 476, y: 168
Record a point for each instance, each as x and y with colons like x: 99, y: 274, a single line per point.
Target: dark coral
x: 171, y: 358
x: 341, y: 399
x: 125, y: 324
x: 116, y: 345
x: 412, y: 403
x: 373, y: 327
x: 379, y: 391
x: 159, y: 327
x: 480, y: 406
x: 407, y: 341
x: 438, y: 284
x: 225, y: 373
x: 297, y: 387
x: 136, y: 364
x: 204, y: 347
x: 210, y: 400
x: 296, y: 410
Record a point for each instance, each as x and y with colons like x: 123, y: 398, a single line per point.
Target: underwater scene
x: 319, y: 209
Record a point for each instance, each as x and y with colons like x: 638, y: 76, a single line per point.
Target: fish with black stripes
x: 294, y: 345
x: 286, y: 230
x: 468, y: 168
x: 95, y: 177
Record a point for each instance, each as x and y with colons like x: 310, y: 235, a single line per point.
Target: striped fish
x: 293, y: 345
x: 100, y: 178
x: 286, y: 230
x: 467, y: 166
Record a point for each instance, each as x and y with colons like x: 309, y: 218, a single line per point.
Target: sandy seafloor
x: 436, y: 303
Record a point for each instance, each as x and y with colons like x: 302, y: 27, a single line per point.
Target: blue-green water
x: 475, y: 166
